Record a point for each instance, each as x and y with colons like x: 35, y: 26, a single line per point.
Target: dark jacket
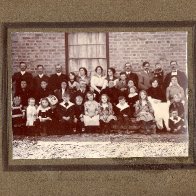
x: 78, y: 110
x: 177, y: 106
x: 79, y: 93
x: 42, y: 93
x: 24, y: 94
x: 156, y: 93
x: 134, y: 77
x: 182, y: 80
x: 64, y: 111
x: 113, y: 93
x: 55, y: 81
x: 58, y: 94
x: 18, y: 77
x: 37, y: 82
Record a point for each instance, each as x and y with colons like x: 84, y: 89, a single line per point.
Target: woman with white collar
x: 98, y: 81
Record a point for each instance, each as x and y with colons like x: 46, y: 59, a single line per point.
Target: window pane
x: 90, y: 64
x: 87, y: 50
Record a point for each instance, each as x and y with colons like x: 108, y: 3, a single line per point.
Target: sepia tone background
x: 133, y: 182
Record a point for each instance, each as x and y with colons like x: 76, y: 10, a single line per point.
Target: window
x: 87, y: 50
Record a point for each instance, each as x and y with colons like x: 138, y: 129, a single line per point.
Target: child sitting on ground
x: 91, y: 108
x: 44, y: 116
x: 31, y: 114
x: 145, y: 114
x: 66, y: 111
x: 132, y: 98
x: 78, y: 116
x: 106, y: 113
x: 18, y: 117
x: 176, y: 123
x: 54, y: 127
x: 176, y: 104
x: 123, y: 113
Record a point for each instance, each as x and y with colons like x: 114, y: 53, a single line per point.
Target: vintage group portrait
x: 95, y: 94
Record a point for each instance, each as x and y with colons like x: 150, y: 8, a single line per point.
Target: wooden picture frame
x: 100, y: 164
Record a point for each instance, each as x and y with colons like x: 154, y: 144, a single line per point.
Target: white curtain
x: 87, y: 50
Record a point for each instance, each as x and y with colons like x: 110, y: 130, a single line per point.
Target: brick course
x: 38, y: 48
x: 154, y: 47
x: 135, y: 47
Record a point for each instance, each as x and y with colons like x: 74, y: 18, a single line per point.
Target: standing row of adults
x: 98, y: 81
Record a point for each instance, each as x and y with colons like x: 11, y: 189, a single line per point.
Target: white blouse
x: 99, y: 81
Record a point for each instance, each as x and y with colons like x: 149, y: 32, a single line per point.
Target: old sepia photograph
x: 99, y: 94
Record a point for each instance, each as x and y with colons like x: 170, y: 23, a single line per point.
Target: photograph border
x: 121, y: 163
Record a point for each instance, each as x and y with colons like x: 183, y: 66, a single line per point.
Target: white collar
x: 122, y: 107
x: 82, y: 90
x: 58, y: 74
x: 128, y: 72
x: 104, y: 105
x: 31, y: 106
x: 132, y: 95
x: 40, y: 75
x: 175, y: 121
x: 170, y: 85
x: 174, y: 73
x: 43, y: 109
x: 22, y: 72
x: 99, y: 76
x: 69, y: 104
x: 83, y: 77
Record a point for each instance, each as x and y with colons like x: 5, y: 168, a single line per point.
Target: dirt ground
x: 101, y: 146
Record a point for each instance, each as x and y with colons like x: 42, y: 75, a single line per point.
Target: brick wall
x: 38, y: 48
x: 135, y: 47
x: 154, y: 47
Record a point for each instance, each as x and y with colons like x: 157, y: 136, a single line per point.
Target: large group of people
x: 77, y: 103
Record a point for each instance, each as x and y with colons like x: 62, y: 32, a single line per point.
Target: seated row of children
x: 65, y: 114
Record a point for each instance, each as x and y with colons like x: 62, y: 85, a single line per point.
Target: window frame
x: 67, y: 53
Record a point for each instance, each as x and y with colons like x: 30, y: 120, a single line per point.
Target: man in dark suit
x: 145, y: 77
x: 57, y: 78
x: 39, y: 78
x: 181, y: 76
x: 22, y: 75
x: 130, y: 75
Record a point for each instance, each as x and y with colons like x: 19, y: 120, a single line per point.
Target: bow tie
x: 175, y: 118
x: 66, y: 104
